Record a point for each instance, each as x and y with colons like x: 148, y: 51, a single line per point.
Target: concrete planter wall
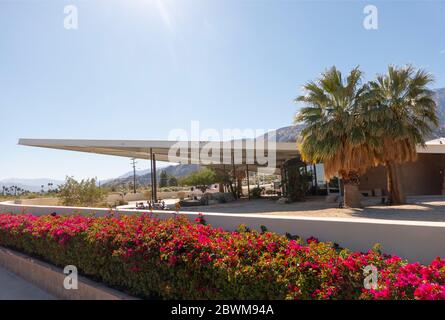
x: 50, y: 279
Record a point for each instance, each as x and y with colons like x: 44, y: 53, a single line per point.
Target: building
x: 426, y: 176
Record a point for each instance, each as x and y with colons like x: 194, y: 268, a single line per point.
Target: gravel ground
x: 422, y: 208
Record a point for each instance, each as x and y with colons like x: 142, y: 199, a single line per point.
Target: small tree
x: 83, y: 193
x: 200, y: 179
x: 172, y: 182
x: 163, y: 179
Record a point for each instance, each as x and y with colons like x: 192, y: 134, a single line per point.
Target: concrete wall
x: 422, y: 177
x: 51, y: 279
x: 113, y: 197
x: 412, y: 240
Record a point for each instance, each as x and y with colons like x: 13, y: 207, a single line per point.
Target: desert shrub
x: 255, y: 193
x: 80, y: 193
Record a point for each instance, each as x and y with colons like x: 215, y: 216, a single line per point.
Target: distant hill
x: 440, y: 99
x: 33, y: 185
x: 143, y: 178
x: 290, y: 133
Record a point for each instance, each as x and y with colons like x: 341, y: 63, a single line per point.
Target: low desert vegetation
x: 201, y: 179
x: 84, y: 193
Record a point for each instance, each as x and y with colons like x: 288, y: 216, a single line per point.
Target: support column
x: 155, y: 186
x: 248, y: 181
x: 315, y: 179
x: 283, y: 181
x: 443, y: 184
x: 152, y: 176
x: 224, y: 178
x: 235, y: 180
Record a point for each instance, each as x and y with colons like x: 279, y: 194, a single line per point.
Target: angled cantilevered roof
x: 140, y: 149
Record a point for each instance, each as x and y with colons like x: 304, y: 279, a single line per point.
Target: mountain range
x: 143, y: 177
x: 33, y: 185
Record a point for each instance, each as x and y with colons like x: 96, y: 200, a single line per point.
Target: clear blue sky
x: 137, y: 68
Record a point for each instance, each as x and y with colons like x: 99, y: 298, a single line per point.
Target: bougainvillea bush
x: 177, y: 259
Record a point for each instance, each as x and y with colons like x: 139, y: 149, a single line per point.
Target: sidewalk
x: 15, y: 288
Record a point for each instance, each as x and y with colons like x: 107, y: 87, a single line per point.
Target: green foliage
x: 335, y: 133
x: 166, y: 180
x: 80, y: 193
x: 255, y: 193
x: 297, y: 180
x: 402, y: 113
x: 163, y: 179
x: 172, y: 181
x: 292, y: 236
x: 402, y: 108
x: 200, y: 179
x: 351, y: 126
x: 377, y: 248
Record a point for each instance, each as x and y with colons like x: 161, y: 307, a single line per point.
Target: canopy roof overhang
x: 143, y: 149
x: 140, y: 149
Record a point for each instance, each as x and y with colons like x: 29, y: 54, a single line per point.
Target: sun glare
x: 162, y: 8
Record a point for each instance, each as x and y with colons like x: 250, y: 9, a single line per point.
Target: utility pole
x: 133, y: 163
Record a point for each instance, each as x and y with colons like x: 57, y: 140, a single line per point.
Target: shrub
x: 255, y: 193
x: 83, y: 193
x: 200, y: 179
x: 177, y: 259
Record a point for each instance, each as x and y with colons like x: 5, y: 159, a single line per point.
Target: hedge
x: 177, y: 259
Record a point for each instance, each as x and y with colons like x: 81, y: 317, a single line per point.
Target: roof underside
x: 140, y: 149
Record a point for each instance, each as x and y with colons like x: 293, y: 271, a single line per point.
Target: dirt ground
x: 421, y: 208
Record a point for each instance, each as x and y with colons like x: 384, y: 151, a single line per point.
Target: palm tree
x: 402, y: 107
x: 336, y: 132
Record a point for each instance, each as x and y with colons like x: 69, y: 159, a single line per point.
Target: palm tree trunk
x: 394, y: 185
x: 352, y: 195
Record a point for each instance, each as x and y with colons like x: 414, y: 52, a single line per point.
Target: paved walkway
x: 14, y: 288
